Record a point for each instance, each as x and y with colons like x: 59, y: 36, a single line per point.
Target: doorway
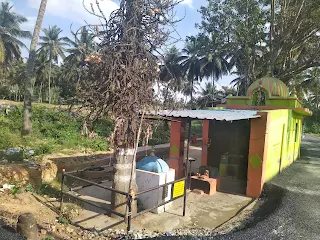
x: 228, y: 153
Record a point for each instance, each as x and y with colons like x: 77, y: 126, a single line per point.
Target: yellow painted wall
x: 283, y: 145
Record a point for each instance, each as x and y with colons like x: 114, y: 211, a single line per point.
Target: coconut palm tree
x: 214, y: 65
x: 28, y: 88
x: 239, y: 83
x: 17, y: 74
x: 10, y: 33
x: 81, y: 46
x: 54, y: 46
x: 226, y: 91
x: 190, y: 90
x: 207, y: 95
x: 41, y: 70
x: 191, y: 63
x: 171, y: 74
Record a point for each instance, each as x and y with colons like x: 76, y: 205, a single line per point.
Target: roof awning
x: 219, y: 115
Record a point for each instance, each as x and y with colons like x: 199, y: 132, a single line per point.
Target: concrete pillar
x: 205, y: 141
x: 257, y: 160
x: 177, y: 137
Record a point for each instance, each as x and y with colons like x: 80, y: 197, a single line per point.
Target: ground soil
x: 46, y: 212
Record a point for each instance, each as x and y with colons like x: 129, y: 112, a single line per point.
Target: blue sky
x: 65, y: 13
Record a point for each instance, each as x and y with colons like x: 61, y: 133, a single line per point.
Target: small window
x: 296, y: 133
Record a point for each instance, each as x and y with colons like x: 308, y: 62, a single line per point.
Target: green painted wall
x: 283, y: 140
x: 237, y: 100
x: 274, y: 101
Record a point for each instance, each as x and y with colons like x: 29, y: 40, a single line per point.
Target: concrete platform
x: 202, y: 211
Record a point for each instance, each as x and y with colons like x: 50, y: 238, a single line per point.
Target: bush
x: 161, y: 134
x: 49, y: 190
x: 103, y: 127
x: 53, y: 131
x: 44, y: 149
x: 312, y: 127
x: 9, y: 139
x: 316, y: 128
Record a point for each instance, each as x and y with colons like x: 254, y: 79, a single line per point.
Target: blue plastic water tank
x: 153, y: 164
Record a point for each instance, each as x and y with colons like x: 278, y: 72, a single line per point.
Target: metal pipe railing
x: 89, y: 185
x: 96, y: 184
x: 129, y: 196
x: 160, y: 186
x: 93, y: 204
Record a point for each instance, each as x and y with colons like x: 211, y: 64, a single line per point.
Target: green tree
x: 238, y: 30
x: 295, y: 39
x: 41, y: 71
x: 80, y: 47
x: 208, y: 96
x: 17, y: 74
x: 171, y: 73
x: 213, y: 64
x: 190, y: 90
x: 311, y: 86
x: 54, y: 46
x: 289, y: 47
x: 191, y: 65
x: 28, y: 86
x: 10, y: 33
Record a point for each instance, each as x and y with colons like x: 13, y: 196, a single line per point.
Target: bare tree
x: 28, y: 86
x: 119, y: 77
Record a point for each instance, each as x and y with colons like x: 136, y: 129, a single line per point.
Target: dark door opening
x: 228, y: 153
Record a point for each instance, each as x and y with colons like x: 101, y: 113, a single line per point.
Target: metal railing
x: 129, y: 196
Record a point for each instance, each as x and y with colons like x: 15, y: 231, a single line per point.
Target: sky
x: 70, y: 14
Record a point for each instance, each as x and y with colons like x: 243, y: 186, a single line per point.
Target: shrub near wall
x: 53, y: 130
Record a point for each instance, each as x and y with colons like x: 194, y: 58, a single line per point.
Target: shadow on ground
x: 271, y: 199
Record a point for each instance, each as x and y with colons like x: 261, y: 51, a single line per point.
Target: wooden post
x: 62, y: 183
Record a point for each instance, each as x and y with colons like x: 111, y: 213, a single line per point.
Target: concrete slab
x: 202, y: 211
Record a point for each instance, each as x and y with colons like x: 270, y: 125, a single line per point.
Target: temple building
x: 245, y: 142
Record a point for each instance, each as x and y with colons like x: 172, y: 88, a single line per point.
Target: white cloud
x: 29, y: 26
x: 74, y: 10
x: 188, y: 3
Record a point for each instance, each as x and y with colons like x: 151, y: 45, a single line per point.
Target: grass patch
x: 50, y: 190
x: 53, y: 130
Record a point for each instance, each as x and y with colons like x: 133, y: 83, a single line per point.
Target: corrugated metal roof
x: 219, y: 115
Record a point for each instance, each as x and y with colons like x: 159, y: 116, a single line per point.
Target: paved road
x: 291, y: 209
x: 8, y: 234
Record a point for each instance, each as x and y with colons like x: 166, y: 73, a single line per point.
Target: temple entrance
x: 228, y: 154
